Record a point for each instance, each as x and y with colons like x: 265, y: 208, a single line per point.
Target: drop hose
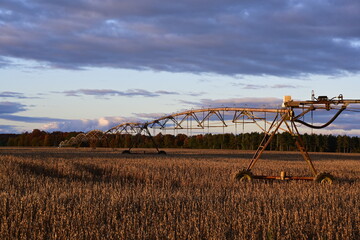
x: 326, y: 124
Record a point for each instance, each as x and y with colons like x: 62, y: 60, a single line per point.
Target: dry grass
x: 101, y: 194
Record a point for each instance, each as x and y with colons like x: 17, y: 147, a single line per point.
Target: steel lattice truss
x: 94, y: 135
x: 268, y: 120
x: 200, y: 119
x: 192, y: 119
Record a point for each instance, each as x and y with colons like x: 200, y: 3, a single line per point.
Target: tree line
x: 246, y: 141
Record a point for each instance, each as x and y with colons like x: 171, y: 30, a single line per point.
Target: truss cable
x: 187, y: 126
x: 243, y: 123
x: 208, y: 126
x: 236, y: 136
x: 265, y: 122
x: 175, y: 127
x: 243, y: 132
x: 236, y: 128
x: 324, y: 125
x: 223, y: 119
x: 202, y: 121
x: 312, y: 122
x: 191, y: 127
x: 350, y: 110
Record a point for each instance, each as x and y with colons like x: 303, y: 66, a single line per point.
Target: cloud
x: 284, y: 86
x: 27, y: 119
x: 85, y: 125
x: 162, y: 92
x: 237, y: 102
x: 264, y: 86
x: 11, y: 95
x: 4, y: 62
x: 346, y: 121
x: 108, y: 92
x: 150, y: 116
x: 11, y: 107
x: 266, y: 37
x: 105, y: 93
x: 7, y: 110
x: 15, y: 95
x: 8, y: 129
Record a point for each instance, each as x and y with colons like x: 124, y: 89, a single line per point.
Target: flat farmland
x: 68, y: 193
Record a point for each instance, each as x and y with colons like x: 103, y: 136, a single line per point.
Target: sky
x: 81, y: 65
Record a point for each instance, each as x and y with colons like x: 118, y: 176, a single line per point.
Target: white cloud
x: 103, y: 122
x: 85, y: 125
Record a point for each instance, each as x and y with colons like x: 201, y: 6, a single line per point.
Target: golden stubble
x: 187, y: 194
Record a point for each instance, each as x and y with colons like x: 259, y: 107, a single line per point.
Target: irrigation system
x: 269, y: 120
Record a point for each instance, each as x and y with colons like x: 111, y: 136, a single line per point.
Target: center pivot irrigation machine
x: 269, y: 120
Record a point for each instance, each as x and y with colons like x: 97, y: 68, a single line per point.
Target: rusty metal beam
x: 286, y: 178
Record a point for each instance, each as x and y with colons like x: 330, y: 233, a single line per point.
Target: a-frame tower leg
x: 147, y: 132
x: 293, y: 130
x: 269, y: 135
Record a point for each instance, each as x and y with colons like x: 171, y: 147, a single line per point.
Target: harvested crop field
x: 49, y: 193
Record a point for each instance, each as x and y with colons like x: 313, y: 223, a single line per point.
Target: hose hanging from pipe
x: 326, y: 124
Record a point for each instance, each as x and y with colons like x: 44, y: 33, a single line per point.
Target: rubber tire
x: 324, y: 178
x: 244, y: 175
x: 162, y: 153
x: 126, y: 152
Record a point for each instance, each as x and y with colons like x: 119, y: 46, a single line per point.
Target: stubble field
x: 187, y: 194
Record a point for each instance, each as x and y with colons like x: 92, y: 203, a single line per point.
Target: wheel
x: 244, y: 175
x: 126, y: 152
x: 324, y: 178
x: 162, y: 152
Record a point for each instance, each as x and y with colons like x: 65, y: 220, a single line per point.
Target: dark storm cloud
x: 282, y: 38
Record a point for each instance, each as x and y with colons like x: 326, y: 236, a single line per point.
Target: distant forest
x: 246, y: 141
